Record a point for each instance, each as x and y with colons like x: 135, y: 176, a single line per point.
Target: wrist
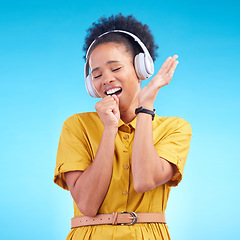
x: 110, y: 130
x: 145, y: 111
x: 147, y: 105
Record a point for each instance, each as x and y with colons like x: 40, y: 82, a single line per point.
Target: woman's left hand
x: 148, y: 94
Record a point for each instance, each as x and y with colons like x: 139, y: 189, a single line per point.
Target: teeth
x: 112, y: 91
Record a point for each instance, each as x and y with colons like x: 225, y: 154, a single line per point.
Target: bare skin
x: 112, y: 68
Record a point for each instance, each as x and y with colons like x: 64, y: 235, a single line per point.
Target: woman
x: 122, y: 158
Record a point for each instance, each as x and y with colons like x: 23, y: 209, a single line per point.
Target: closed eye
x: 98, y: 76
x: 116, y: 69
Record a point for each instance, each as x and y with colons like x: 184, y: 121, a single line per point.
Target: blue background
x: 42, y: 84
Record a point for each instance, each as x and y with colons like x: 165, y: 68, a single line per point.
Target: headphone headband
x: 145, y: 50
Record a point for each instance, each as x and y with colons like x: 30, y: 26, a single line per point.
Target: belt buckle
x: 134, y: 217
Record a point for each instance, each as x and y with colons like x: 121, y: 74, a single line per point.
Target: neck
x: 127, y: 119
x: 128, y: 115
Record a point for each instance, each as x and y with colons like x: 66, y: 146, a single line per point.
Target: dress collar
x: 131, y: 124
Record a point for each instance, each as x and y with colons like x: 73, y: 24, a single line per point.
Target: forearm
x: 148, y: 169
x: 91, y: 187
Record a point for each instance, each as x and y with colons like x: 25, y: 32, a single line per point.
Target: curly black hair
x: 120, y: 22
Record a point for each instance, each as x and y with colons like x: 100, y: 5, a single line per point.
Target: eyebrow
x: 109, y: 62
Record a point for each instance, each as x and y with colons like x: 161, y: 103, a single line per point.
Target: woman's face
x: 113, y: 73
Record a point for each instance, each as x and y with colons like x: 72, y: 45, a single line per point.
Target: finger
x: 115, y: 98
x: 105, y: 103
x: 116, y: 107
x: 165, y: 64
x: 172, y: 70
x: 107, y: 99
x: 170, y: 63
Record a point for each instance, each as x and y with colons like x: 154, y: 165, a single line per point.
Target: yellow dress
x: 78, y: 144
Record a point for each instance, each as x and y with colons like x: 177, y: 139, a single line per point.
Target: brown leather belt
x: 123, y: 218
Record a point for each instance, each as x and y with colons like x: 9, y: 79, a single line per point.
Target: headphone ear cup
x: 90, y: 88
x: 149, y: 65
x: 143, y: 67
x: 137, y: 63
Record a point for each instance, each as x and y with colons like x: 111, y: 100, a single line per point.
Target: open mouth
x: 115, y: 91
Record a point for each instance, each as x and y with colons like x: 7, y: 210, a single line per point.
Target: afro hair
x: 120, y: 22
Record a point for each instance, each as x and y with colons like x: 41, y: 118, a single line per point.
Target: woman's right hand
x: 89, y: 188
x: 108, y: 111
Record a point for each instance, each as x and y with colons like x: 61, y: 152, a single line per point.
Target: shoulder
x: 172, y: 123
x: 82, y: 119
x: 82, y: 122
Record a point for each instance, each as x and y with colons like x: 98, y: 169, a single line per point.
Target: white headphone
x: 143, y: 63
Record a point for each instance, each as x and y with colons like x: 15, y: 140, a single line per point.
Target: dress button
x: 126, y: 166
x: 125, y: 192
x: 125, y: 136
x: 125, y: 151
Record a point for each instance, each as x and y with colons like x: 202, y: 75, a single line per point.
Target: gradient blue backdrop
x: 42, y: 84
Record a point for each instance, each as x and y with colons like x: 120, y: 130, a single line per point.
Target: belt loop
x: 114, y: 219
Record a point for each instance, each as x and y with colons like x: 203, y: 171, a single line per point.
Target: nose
x: 107, y: 78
